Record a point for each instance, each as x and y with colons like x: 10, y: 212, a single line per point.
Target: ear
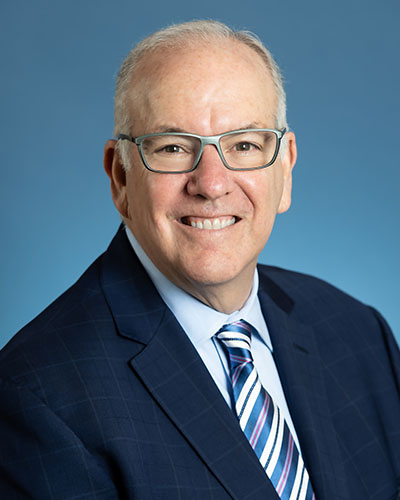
x: 288, y: 160
x: 116, y: 172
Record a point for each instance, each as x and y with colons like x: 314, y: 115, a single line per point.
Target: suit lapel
x: 183, y: 387
x: 175, y: 376
x: 303, y: 379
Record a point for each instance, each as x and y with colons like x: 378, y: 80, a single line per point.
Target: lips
x: 210, y: 223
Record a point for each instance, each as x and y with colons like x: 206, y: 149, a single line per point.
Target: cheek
x: 154, y: 196
x: 138, y: 192
x: 164, y: 192
x: 265, y: 192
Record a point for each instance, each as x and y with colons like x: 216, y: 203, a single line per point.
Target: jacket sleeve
x: 392, y: 348
x: 40, y: 457
x: 391, y: 361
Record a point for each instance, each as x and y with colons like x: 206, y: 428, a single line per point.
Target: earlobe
x: 116, y: 172
x: 288, y: 161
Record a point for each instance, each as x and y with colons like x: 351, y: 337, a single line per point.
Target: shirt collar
x: 199, y: 321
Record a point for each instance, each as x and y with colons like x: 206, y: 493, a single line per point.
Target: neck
x: 225, y: 297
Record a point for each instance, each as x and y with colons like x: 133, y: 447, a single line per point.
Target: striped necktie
x: 261, y: 420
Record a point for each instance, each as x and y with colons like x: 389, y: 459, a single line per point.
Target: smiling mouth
x: 217, y: 223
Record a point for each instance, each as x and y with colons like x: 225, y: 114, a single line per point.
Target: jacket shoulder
x: 330, y: 311
x: 57, y: 329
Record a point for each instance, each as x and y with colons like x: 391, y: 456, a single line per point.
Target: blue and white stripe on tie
x: 261, y: 420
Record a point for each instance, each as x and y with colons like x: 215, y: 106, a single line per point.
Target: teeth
x: 215, y: 224
x: 227, y: 222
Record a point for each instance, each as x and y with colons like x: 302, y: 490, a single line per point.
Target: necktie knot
x: 236, y: 337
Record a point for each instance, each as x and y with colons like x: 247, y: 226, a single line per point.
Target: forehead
x: 205, y: 84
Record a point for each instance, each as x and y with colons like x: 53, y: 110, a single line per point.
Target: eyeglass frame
x: 204, y: 141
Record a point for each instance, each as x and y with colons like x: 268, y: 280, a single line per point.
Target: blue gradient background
x: 341, y: 65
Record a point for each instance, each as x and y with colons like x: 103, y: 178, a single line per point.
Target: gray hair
x: 179, y: 35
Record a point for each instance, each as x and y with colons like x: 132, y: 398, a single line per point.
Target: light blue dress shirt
x: 200, y: 323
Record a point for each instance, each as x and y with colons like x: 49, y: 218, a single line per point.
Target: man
x: 173, y: 368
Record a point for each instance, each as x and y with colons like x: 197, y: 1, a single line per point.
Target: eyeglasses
x: 179, y: 152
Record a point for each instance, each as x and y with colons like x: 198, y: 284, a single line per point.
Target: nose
x: 211, y: 179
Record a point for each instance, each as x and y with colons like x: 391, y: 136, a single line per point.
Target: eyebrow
x: 167, y: 129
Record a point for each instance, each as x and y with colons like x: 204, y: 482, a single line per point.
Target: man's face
x: 205, y: 91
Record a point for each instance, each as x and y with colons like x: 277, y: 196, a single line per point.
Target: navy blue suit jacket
x: 103, y: 396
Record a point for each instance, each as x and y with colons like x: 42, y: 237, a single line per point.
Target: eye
x: 245, y: 146
x: 170, y: 148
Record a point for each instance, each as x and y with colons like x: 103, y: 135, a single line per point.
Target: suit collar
x: 129, y: 292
